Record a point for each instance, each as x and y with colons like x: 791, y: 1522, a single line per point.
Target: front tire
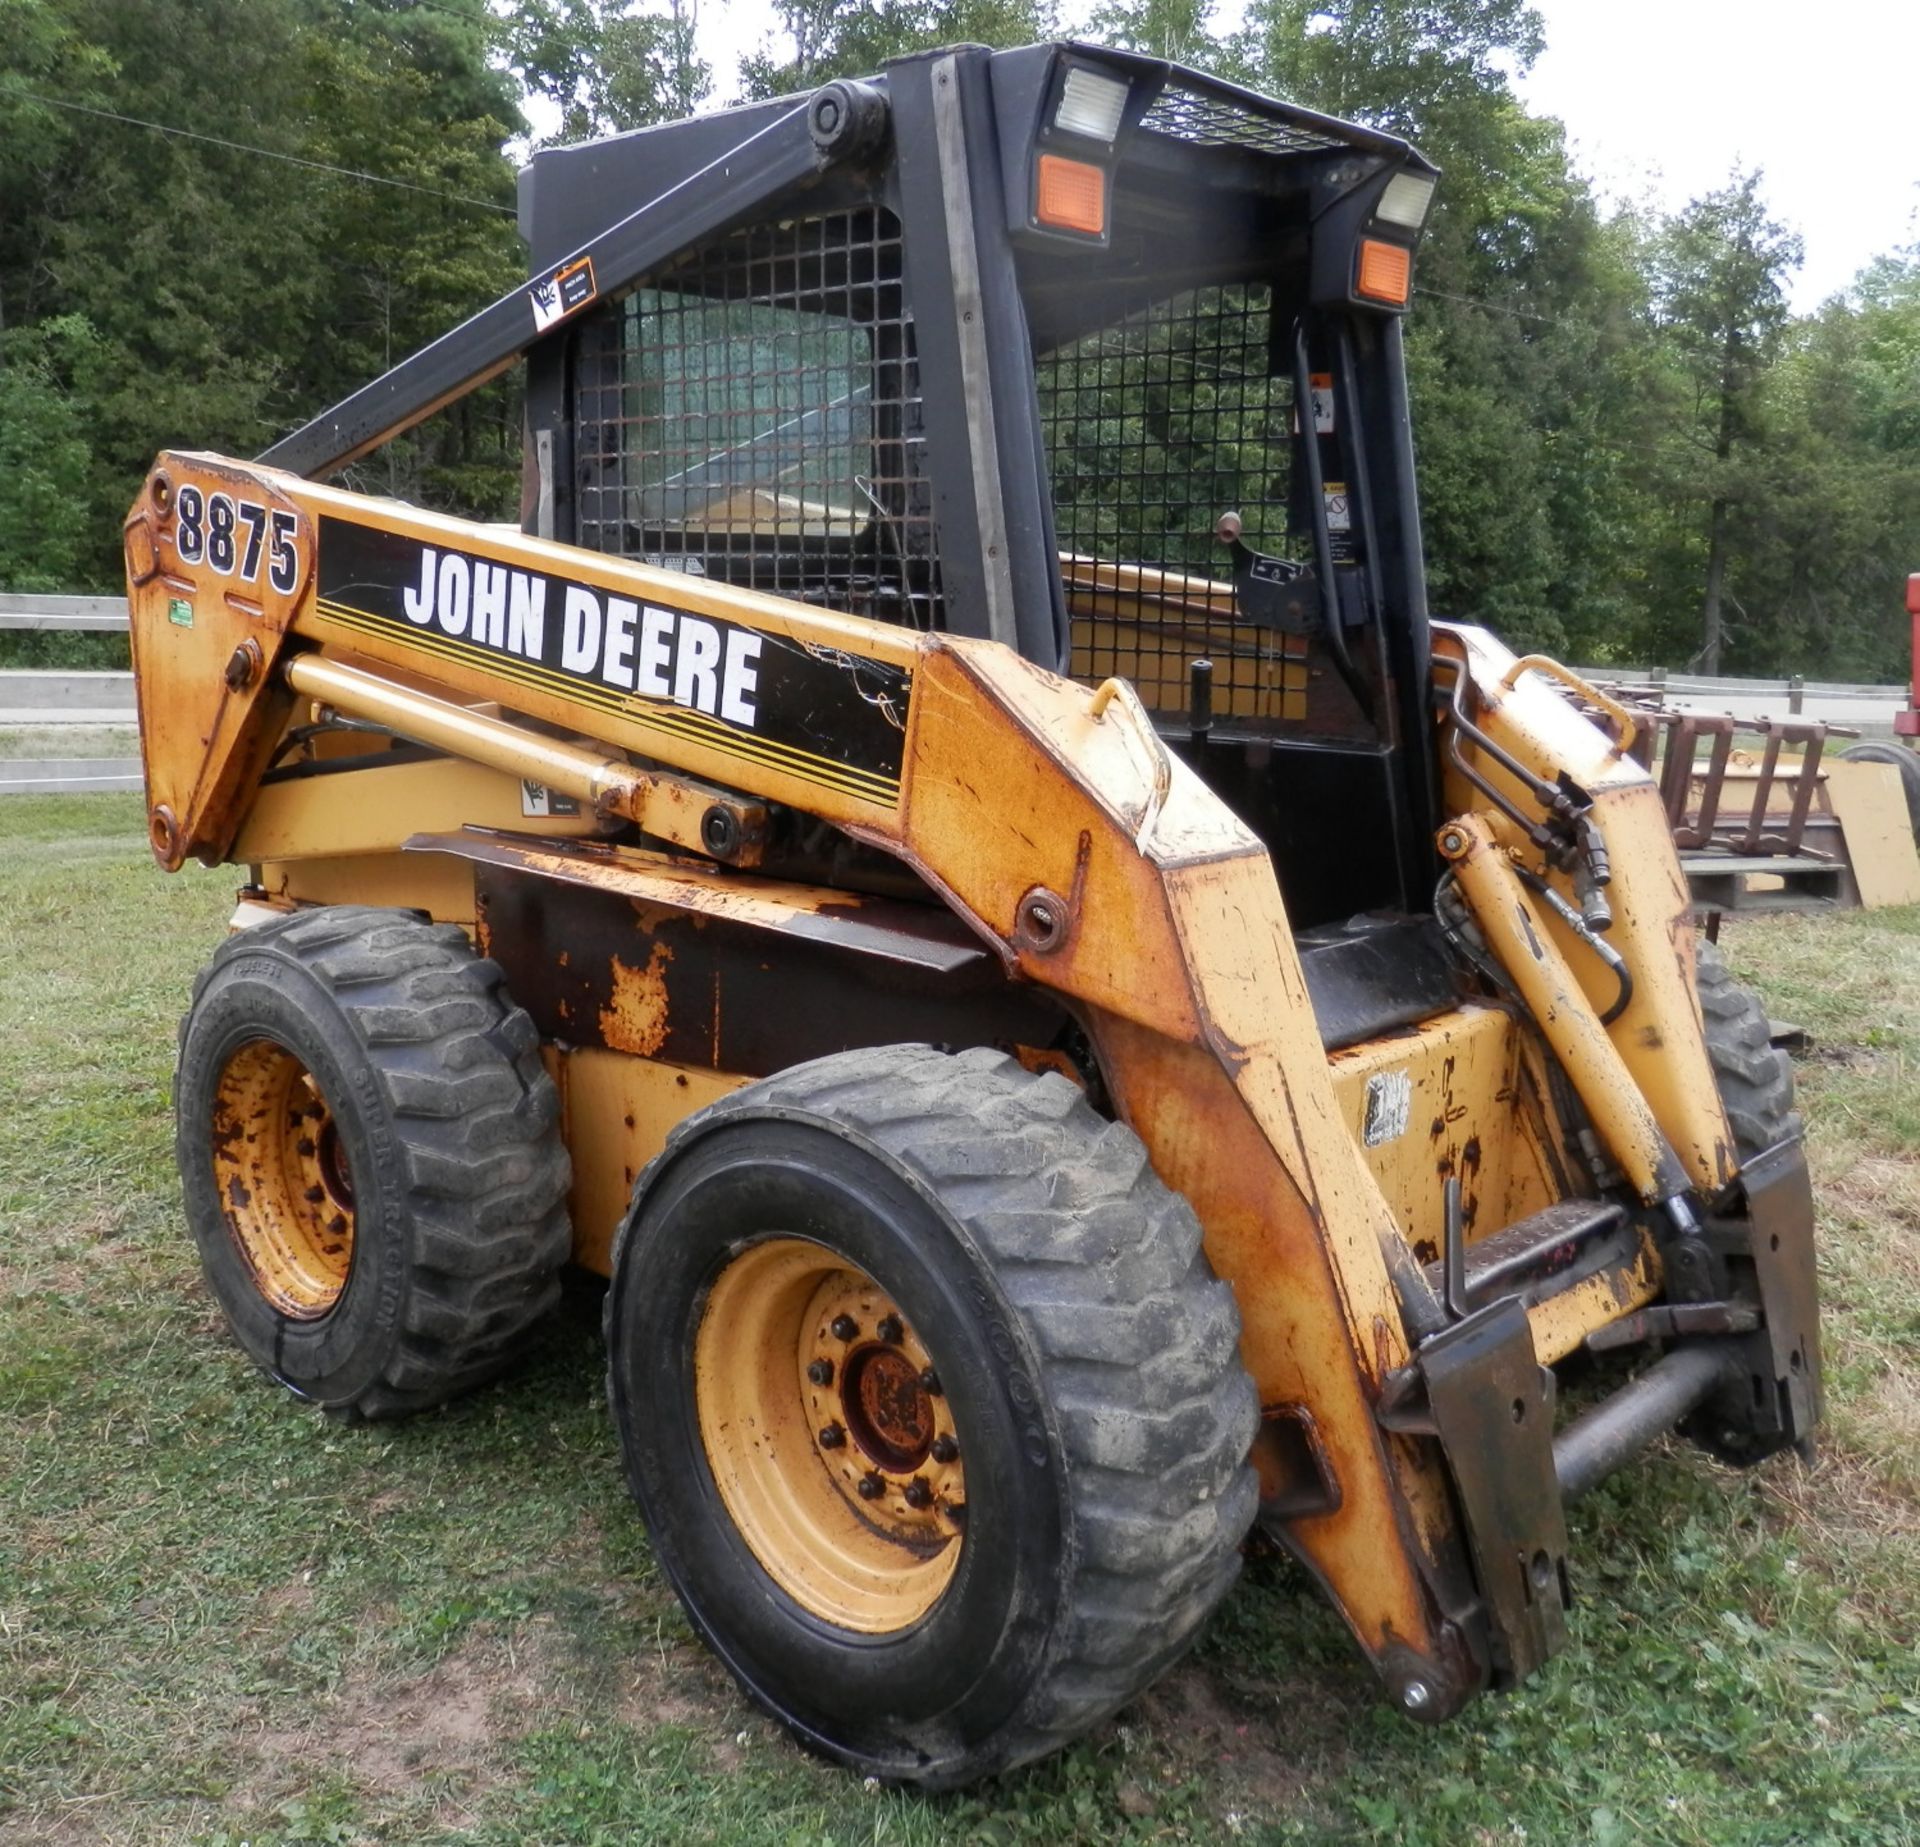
x: 1754, y: 1077
x: 369, y: 1155
x: 1033, y: 1484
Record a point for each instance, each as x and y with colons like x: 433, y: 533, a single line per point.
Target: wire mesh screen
x: 1213, y: 120
x: 1156, y: 425
x: 753, y: 414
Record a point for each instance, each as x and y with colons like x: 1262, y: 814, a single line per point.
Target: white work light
x: 1406, y: 199
x: 1090, y: 104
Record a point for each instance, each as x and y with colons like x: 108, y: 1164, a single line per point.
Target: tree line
x: 217, y: 219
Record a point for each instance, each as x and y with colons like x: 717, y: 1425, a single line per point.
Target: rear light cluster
x: 1071, y: 195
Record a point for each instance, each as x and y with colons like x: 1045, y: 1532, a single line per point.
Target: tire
x: 1906, y: 761
x: 1084, y: 1368
x: 370, y: 1158
x: 1755, y: 1079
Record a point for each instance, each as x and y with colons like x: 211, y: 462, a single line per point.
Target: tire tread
x: 1136, y: 1341
x: 474, y: 1113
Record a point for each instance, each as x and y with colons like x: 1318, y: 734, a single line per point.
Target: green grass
x: 225, y: 1619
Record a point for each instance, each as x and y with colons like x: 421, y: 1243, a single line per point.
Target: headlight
x: 1406, y: 199
x: 1090, y: 104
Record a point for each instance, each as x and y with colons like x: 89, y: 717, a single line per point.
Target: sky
x: 1662, y: 98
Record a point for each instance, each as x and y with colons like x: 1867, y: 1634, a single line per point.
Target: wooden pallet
x: 1731, y: 882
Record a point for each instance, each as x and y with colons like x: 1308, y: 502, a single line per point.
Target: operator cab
x: 1033, y: 370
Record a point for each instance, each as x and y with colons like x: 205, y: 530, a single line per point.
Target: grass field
x: 225, y: 1619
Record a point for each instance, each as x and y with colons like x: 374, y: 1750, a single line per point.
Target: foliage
x: 608, y: 65
x: 832, y: 39
x: 1625, y: 439
x: 230, y: 294
x: 45, y: 456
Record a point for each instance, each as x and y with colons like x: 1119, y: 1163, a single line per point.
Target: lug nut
x: 844, y: 1327
x: 918, y: 1493
x: 831, y: 1436
x: 871, y: 1487
x: 956, y: 1511
x: 930, y: 1382
x: 304, y: 1145
x: 820, y: 1371
x: 315, y: 1194
x: 945, y: 1449
x: 890, y: 1330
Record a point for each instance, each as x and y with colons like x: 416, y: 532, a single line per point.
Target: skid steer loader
x: 947, y: 859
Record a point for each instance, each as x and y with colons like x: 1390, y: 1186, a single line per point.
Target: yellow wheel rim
x: 829, y: 1438
x: 283, y: 1179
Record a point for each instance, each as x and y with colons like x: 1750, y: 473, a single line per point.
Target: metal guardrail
x: 91, y: 614
x: 42, y: 698
x: 1834, y: 702
x: 69, y: 775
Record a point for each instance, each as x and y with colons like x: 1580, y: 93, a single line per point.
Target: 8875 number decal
x: 231, y: 534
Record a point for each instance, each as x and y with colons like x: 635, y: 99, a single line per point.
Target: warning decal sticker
x: 567, y: 290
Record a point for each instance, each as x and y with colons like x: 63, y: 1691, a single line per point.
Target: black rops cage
x: 896, y: 389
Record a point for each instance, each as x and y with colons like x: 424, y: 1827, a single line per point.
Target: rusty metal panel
x: 218, y: 561
x: 1431, y: 1101
x: 617, y: 1112
x: 748, y: 992
x: 918, y: 935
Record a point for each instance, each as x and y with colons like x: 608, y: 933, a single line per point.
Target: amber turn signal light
x: 1386, y: 272
x: 1071, y: 195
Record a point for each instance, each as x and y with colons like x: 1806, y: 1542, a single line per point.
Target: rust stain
x: 635, y: 1016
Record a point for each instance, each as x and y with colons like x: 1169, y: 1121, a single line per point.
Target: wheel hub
x: 284, y: 1184
x: 887, y: 1409
x: 829, y: 1437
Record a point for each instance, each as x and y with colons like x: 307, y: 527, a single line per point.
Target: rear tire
x: 1085, y: 1406
x: 1754, y: 1078
x: 369, y: 1154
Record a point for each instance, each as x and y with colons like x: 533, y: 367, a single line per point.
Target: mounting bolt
x: 930, y: 1382
x: 831, y: 1436
x: 1416, y: 1696
x: 720, y: 831
x: 1452, y: 842
x: 945, y: 1449
x: 890, y: 1330
x: 871, y: 1487
x: 242, y: 664
x: 1040, y: 920
x: 820, y: 1371
x: 918, y: 1493
x: 843, y: 1327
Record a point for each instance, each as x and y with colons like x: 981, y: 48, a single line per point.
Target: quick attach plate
x: 1492, y: 1408
x: 1780, y: 1403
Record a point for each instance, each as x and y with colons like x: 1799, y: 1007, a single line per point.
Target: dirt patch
x: 1261, y: 1753
x: 1883, y: 1194
x: 442, y: 1730
x: 683, y: 1685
